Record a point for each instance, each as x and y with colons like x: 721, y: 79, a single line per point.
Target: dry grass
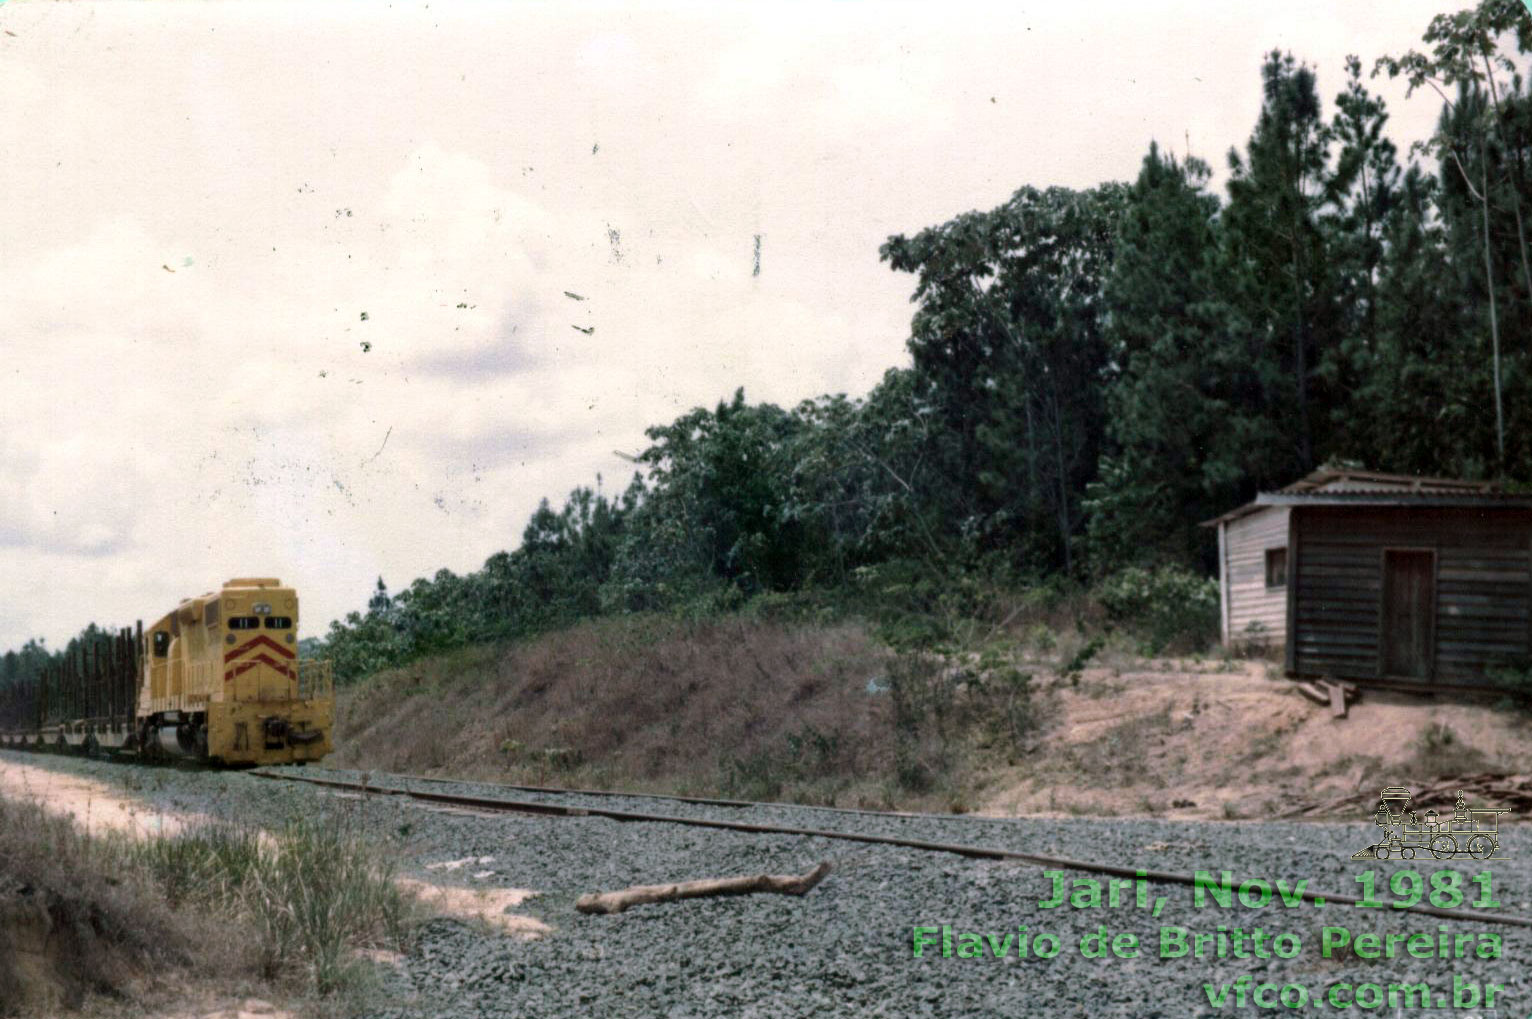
x: 645, y: 702
x: 74, y: 923
x: 744, y: 707
x: 1041, y: 713
x: 1121, y: 756
x: 305, y: 899
x: 1441, y: 752
x: 116, y: 922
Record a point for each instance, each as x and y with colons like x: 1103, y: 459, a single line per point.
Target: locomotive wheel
x: 1408, y: 854
x: 1443, y: 846
x: 1382, y: 852
x: 1481, y: 846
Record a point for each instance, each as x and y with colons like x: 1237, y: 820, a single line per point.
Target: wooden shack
x: 1382, y: 578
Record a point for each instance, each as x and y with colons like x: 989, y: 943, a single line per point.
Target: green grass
x: 221, y: 906
x: 311, y: 893
x: 77, y: 922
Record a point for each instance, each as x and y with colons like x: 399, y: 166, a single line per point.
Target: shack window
x: 244, y: 623
x: 279, y: 622
x: 211, y: 614
x: 161, y: 643
x: 1276, y: 567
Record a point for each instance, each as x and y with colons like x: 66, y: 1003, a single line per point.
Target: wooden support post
x: 1337, y: 699
x: 140, y: 669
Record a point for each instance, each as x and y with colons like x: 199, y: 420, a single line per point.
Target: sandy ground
x: 1213, y: 740
x: 248, y: 1008
x: 97, y: 808
x: 488, y: 905
x: 94, y: 805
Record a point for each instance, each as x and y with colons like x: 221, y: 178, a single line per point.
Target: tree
x: 1277, y: 251
x: 718, y: 500
x: 1363, y: 190
x: 864, y: 480
x: 1008, y: 352
x: 1466, y: 56
x: 1169, y: 460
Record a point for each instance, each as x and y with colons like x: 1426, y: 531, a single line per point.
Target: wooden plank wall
x: 1246, y: 596
x: 1483, y: 585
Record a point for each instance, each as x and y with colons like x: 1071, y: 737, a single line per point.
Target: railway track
x: 548, y: 807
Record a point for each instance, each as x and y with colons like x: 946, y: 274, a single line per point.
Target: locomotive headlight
x: 229, y: 639
x: 289, y: 637
x: 261, y: 608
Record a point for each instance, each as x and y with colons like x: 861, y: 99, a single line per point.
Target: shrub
x: 1167, y: 606
x: 74, y: 921
x: 312, y: 892
x: 1072, y: 669
x: 810, y: 762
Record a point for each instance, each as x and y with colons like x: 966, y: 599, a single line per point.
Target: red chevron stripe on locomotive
x: 250, y: 663
x: 263, y: 639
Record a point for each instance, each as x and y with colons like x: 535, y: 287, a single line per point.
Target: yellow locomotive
x: 216, y: 679
x: 221, y: 680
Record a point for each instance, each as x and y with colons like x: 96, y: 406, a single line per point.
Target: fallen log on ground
x: 782, y: 884
x: 1483, y: 789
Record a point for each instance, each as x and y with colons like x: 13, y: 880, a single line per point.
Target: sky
x: 331, y: 292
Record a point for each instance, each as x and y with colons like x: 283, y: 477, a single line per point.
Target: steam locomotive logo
x: 1469, y: 831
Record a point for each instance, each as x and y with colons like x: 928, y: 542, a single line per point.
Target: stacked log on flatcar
x: 84, y: 699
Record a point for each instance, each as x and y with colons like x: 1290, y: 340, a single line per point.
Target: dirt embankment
x: 763, y: 710
x: 1232, y: 740
x: 79, y: 918
x: 71, y: 924
x: 646, y: 702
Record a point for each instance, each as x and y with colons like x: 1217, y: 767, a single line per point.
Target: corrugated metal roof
x: 1343, y: 487
x: 1333, y: 478
x: 1393, y: 497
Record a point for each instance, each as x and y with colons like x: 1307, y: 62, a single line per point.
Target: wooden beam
x: 782, y: 884
x: 1223, y: 579
x: 1294, y: 571
x: 1337, y: 699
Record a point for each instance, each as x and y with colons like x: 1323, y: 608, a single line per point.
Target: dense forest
x: 1092, y: 373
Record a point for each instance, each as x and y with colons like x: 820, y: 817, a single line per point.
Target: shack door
x: 1409, y: 603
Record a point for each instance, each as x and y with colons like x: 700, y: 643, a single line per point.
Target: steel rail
x: 974, y: 852
x: 706, y: 801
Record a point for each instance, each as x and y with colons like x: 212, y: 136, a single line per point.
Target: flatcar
x: 217, y: 679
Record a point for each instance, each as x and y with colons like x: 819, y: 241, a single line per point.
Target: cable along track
x: 754, y: 828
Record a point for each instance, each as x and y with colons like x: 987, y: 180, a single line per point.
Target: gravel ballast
x: 847, y: 948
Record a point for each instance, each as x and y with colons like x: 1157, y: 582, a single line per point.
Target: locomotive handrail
x: 316, y: 678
